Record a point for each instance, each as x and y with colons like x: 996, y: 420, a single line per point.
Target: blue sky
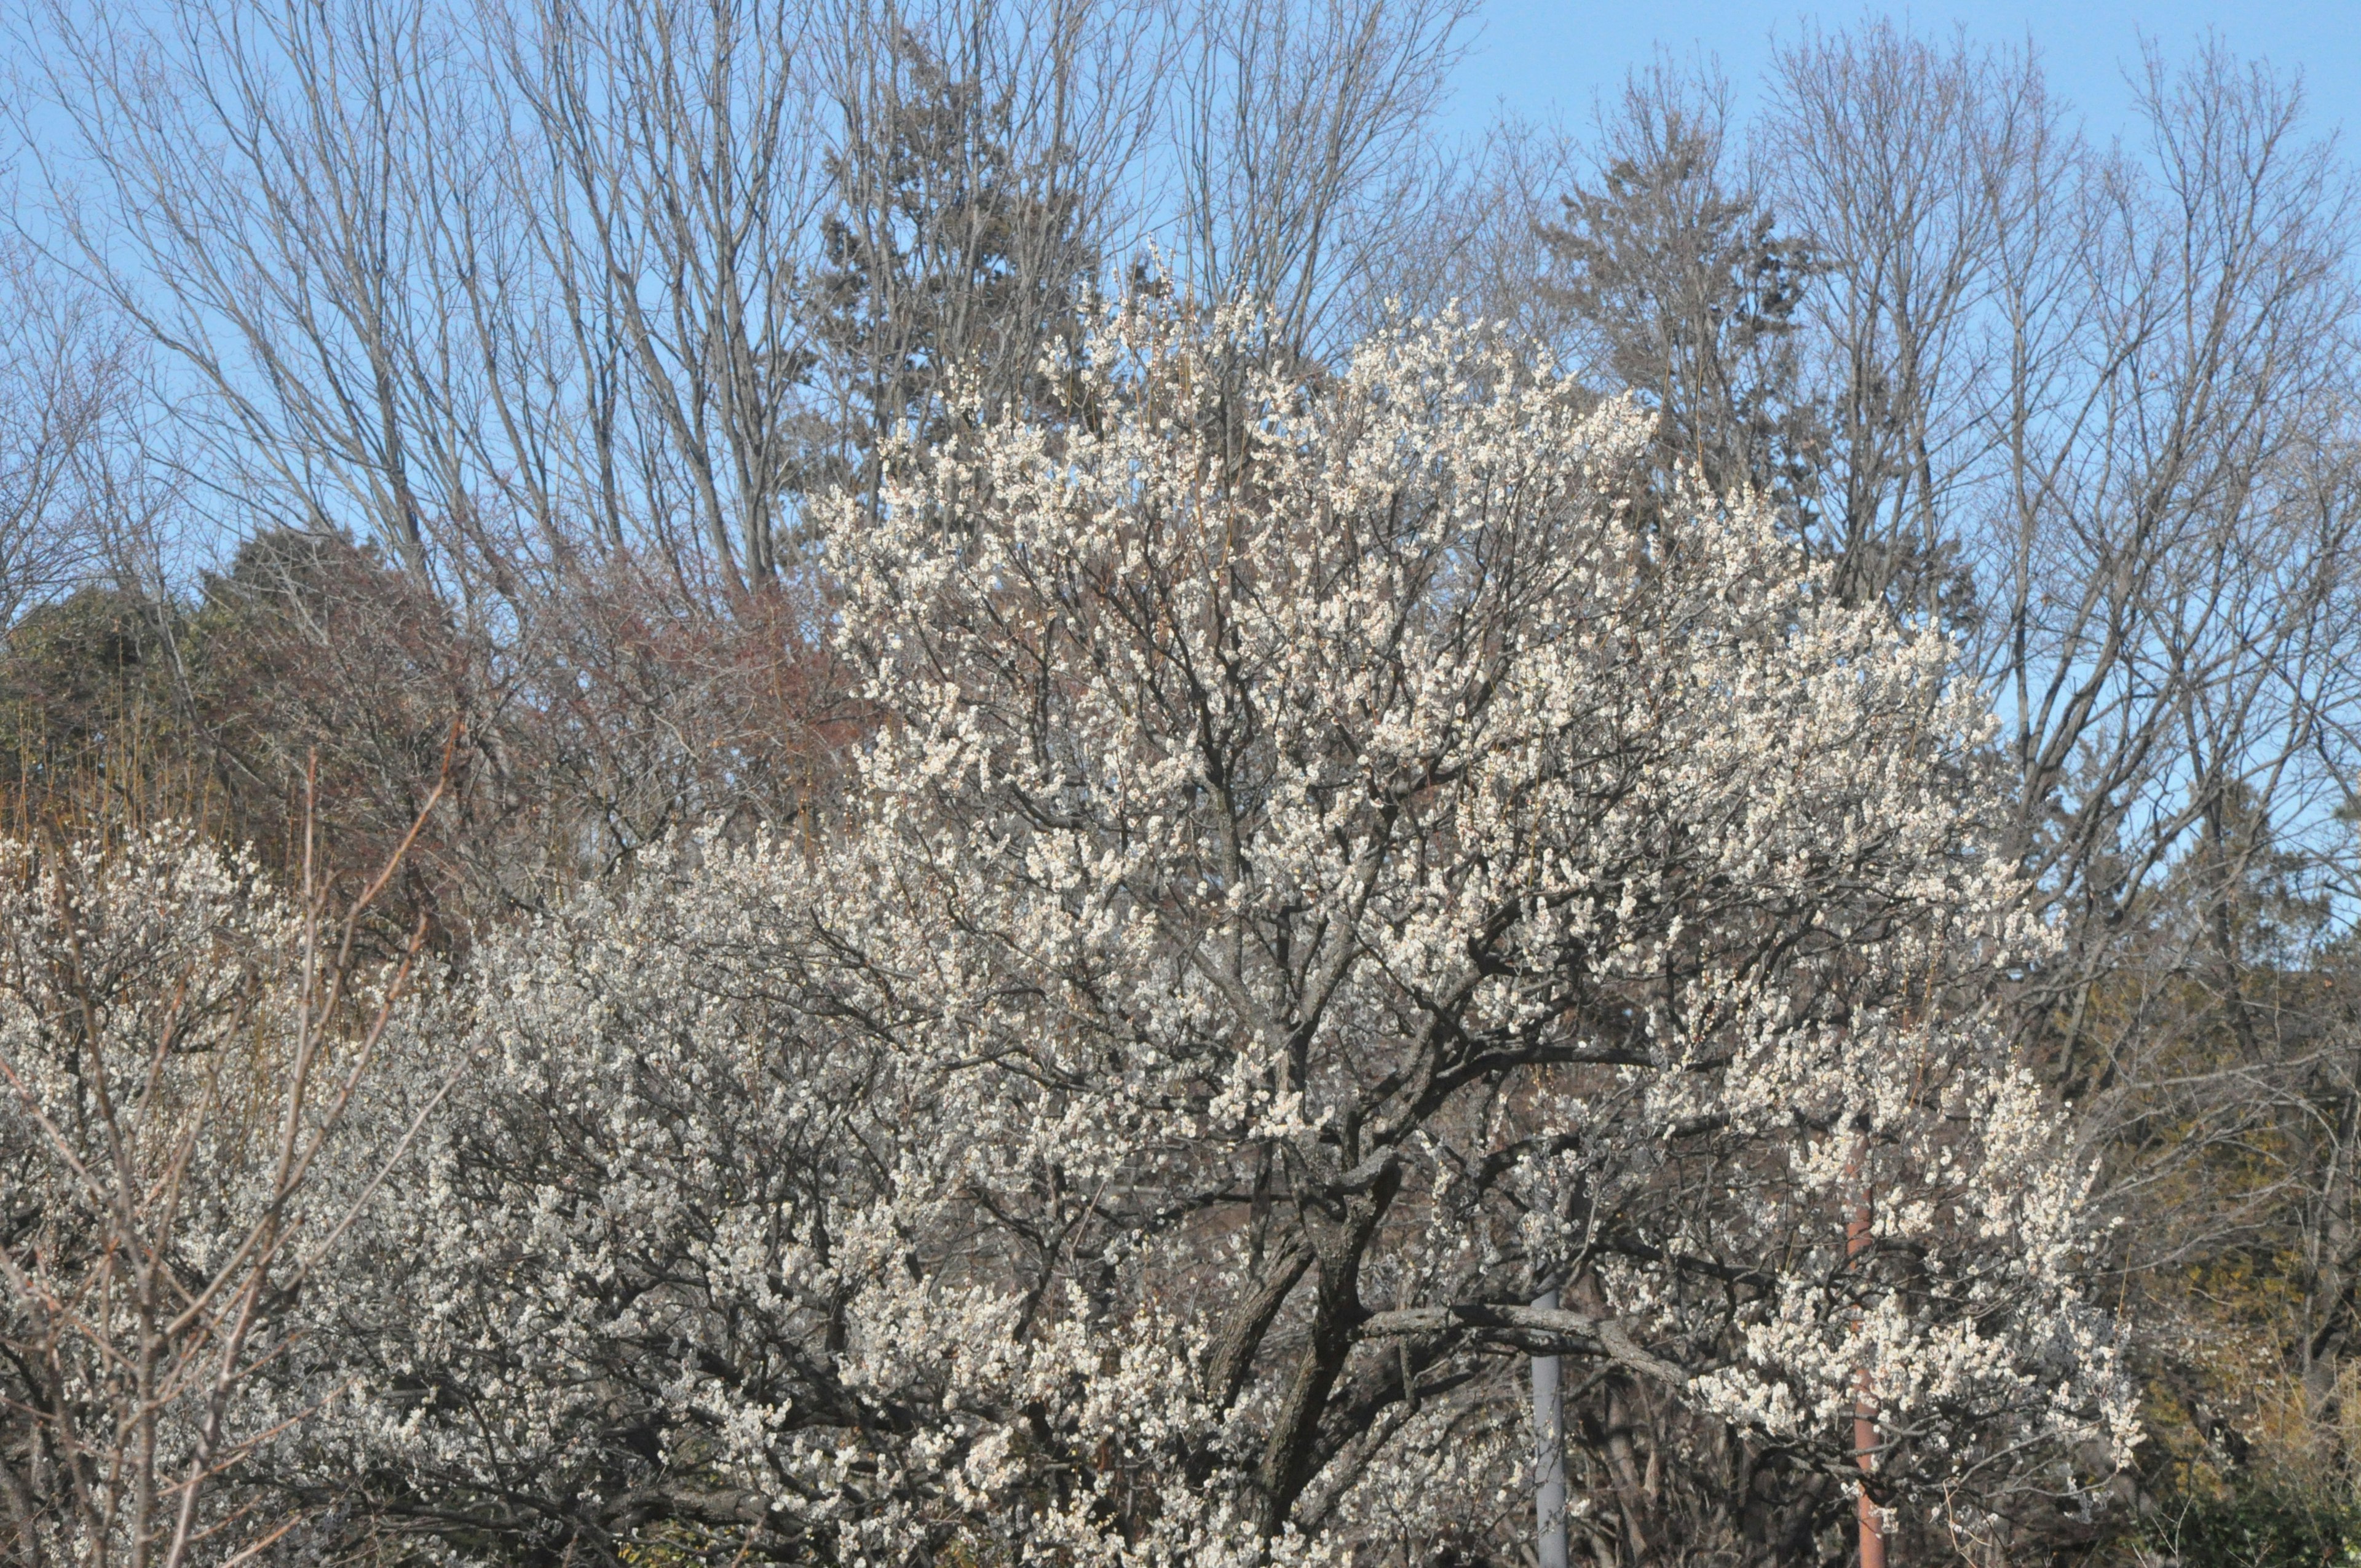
x: 1537, y: 56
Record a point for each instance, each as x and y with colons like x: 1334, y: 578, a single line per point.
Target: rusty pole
x: 1864, y: 1406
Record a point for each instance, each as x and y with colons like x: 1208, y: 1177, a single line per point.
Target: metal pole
x: 1549, y: 1454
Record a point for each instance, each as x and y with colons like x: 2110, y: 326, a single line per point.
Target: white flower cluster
x: 149, y: 1012
x: 1323, y: 870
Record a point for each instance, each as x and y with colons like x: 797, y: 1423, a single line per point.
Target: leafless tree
x: 671, y: 195
x: 66, y: 384
x: 2115, y: 389
x: 510, y: 296
x: 1484, y: 253
x: 1306, y: 158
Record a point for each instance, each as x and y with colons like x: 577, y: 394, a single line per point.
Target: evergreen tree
x: 953, y: 256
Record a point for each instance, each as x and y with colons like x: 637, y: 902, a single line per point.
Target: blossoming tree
x: 179, y: 1045
x: 1323, y: 874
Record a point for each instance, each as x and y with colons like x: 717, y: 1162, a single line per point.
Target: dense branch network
x: 1302, y: 898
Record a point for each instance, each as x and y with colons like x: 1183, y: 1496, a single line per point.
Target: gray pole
x: 1549, y: 1454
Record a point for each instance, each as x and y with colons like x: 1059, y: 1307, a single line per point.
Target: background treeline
x: 438, y: 389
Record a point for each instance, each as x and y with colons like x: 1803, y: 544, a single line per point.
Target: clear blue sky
x: 1537, y: 56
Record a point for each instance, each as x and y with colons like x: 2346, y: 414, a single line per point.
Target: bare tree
x: 1483, y: 252
x: 2097, y: 412
x: 2107, y: 395
x: 512, y: 296
x: 258, y: 168
x: 475, y: 283
x: 672, y: 195
x: 1306, y: 160
x: 66, y: 382
x: 1917, y: 174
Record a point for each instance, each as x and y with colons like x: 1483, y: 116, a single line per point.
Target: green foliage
x: 1692, y: 291
x: 2259, y: 1526
x: 89, y: 730
x: 68, y: 672
x: 307, y: 654
x: 953, y: 253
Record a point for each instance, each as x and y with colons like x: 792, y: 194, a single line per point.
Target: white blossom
x: 1323, y: 865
